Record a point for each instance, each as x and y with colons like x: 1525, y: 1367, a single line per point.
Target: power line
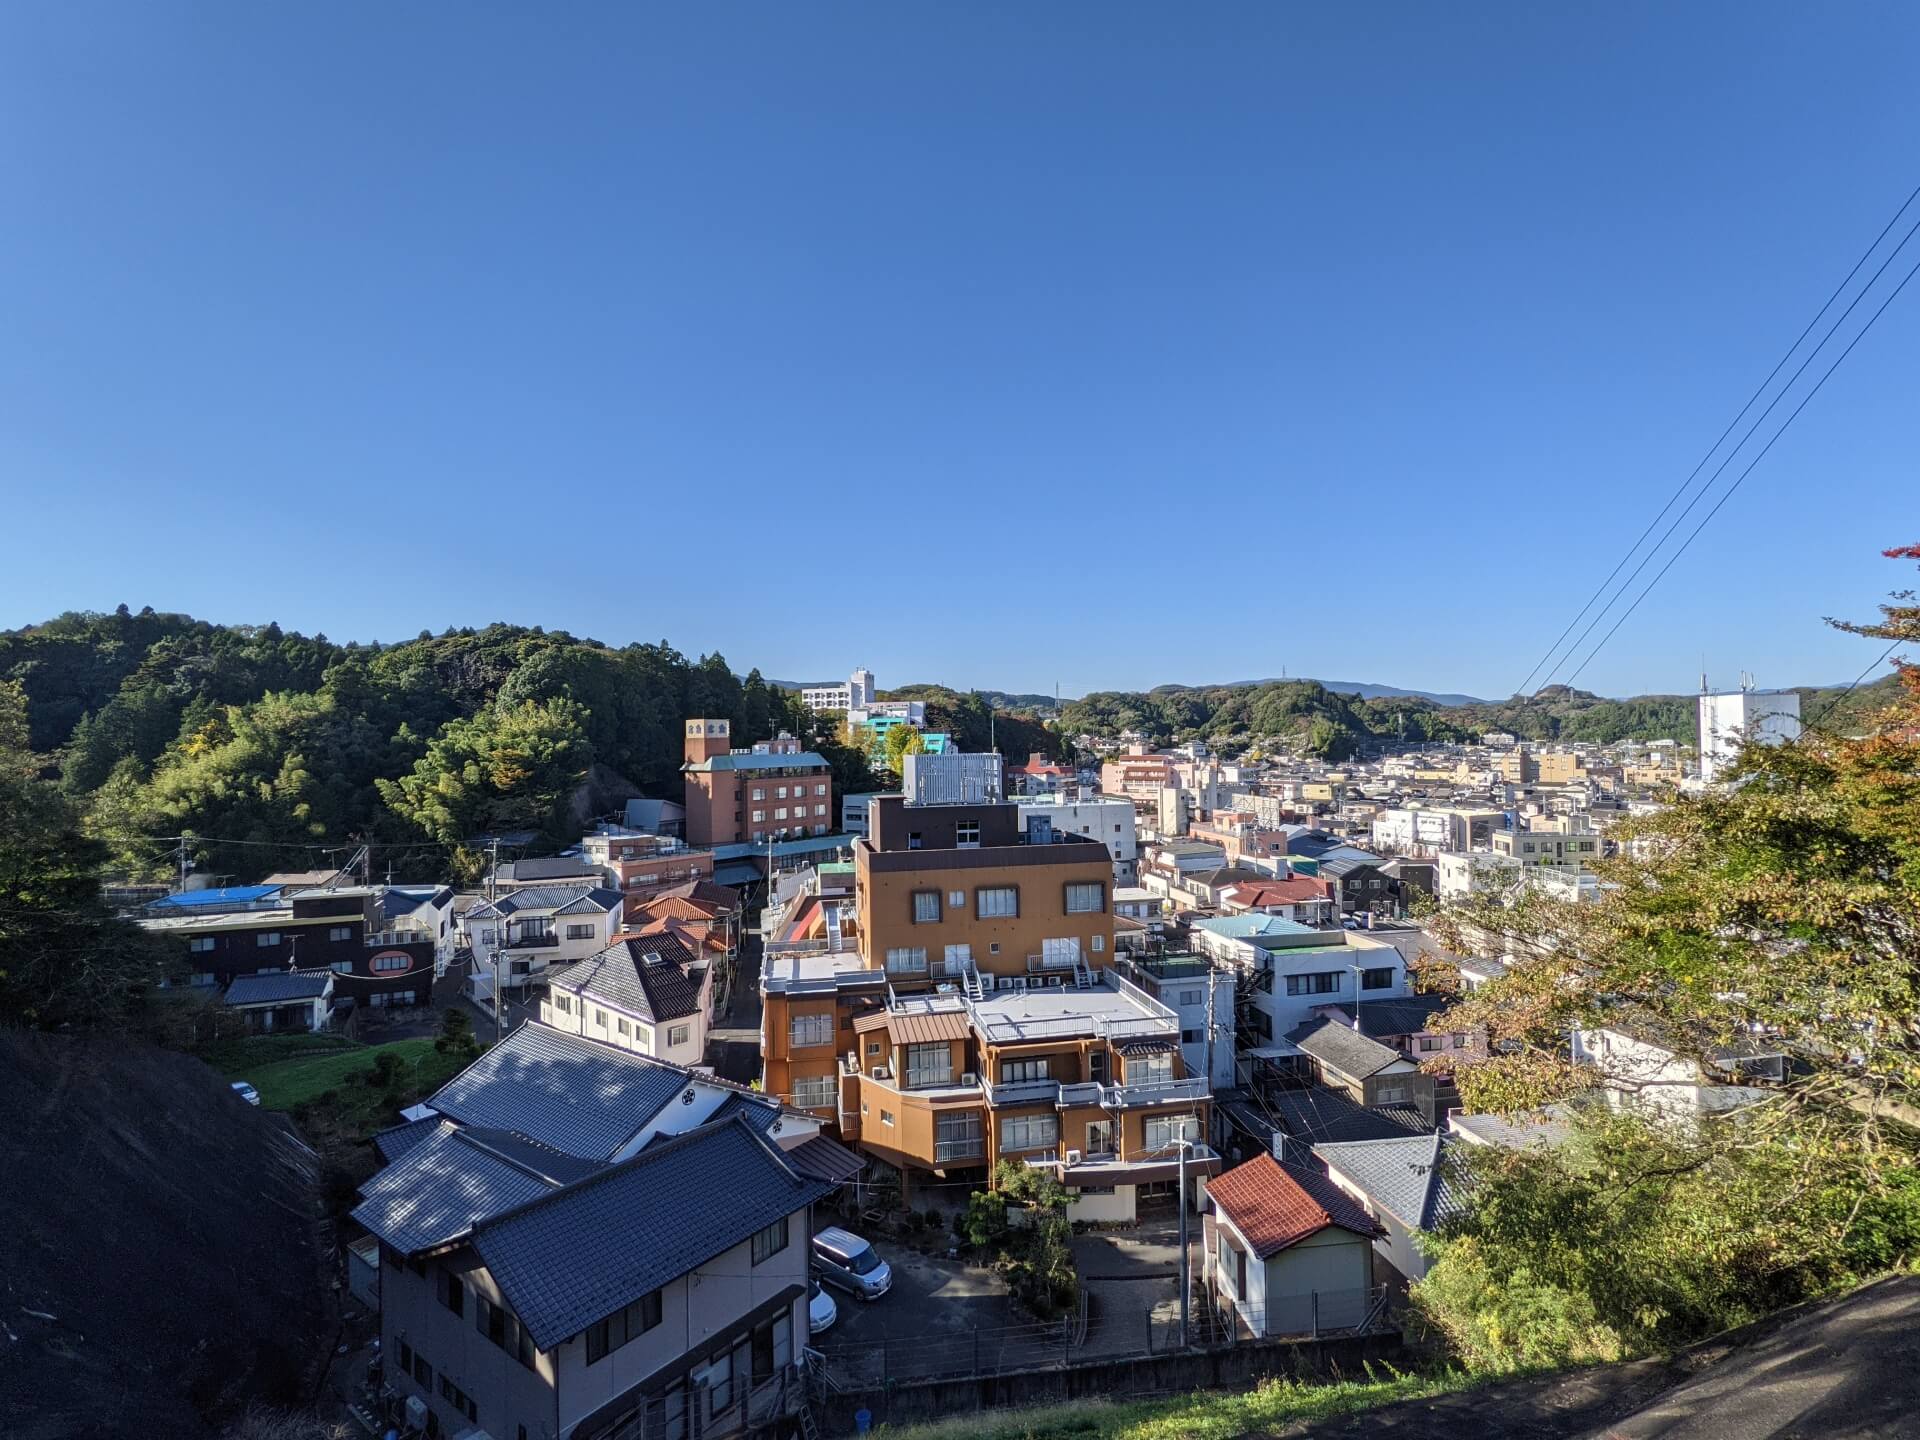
x: 1681, y: 489
x: 1827, y: 709
x: 1720, y: 469
x: 1708, y: 517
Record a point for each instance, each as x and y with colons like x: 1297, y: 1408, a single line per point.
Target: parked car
x: 821, y: 1311
x: 847, y: 1261
x: 246, y: 1092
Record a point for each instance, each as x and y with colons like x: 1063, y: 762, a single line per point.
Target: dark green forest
x: 273, y: 749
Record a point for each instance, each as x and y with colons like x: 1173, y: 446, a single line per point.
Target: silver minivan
x: 848, y: 1262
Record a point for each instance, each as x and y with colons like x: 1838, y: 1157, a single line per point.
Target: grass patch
x: 289, y: 1083
x: 1210, y: 1415
x: 237, y: 1057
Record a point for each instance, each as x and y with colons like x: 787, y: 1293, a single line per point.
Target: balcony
x: 382, y: 939
x: 1052, y: 964
x: 949, y: 1152
x: 538, y: 941
x: 1159, y: 1092
x: 1020, y: 1092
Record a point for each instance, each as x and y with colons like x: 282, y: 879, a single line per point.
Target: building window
x: 819, y: 809
x: 1029, y: 1132
x: 780, y: 792
x: 759, y: 816
x: 1191, y: 997
x: 600, y: 1018
x: 621, y: 1025
x: 453, y: 1294
x: 201, y: 944
x: 771, y: 1241
x: 1459, y: 1040
x: 956, y: 899
x: 266, y: 938
x: 886, y: 1117
x: 339, y: 932
x: 966, y: 834
x: 820, y: 790
x: 958, y: 958
x: 1016, y: 1070
x: 1086, y: 899
x: 1150, y: 1069
x: 1099, y: 944
x: 1000, y: 902
x: 1429, y: 1043
x: 1191, y: 1037
x: 907, y: 960
x: 422, y: 1372
x: 759, y: 792
x: 813, y: 1092
x: 926, y: 907
x: 913, y: 840
x: 385, y: 964
x: 676, y: 1035
x: 628, y: 1323
x: 579, y: 932
x: 956, y: 1135
x: 779, y: 812
x: 1326, y: 983
x: 536, y: 928
x: 1381, y: 979
x: 563, y: 1003
x: 805, y: 1030
x: 1166, y: 1132
x: 929, y: 1065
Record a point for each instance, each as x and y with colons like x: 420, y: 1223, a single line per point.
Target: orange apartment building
x: 973, y: 1016
x: 774, y: 791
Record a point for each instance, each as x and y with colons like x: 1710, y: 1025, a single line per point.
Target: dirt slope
x: 160, y: 1259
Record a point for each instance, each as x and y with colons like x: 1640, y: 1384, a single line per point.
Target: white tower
x: 1744, y: 716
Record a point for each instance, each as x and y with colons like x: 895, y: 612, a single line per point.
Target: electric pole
x: 493, y: 869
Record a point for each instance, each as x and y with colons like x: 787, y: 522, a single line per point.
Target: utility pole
x: 493, y: 869
x: 1186, y: 1284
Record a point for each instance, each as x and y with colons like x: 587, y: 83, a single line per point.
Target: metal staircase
x: 834, y: 937
x: 1082, y: 976
x: 971, y: 982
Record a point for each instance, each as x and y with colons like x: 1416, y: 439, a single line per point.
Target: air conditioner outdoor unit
x: 1073, y: 1157
x: 969, y: 1078
x: 879, y: 1072
x: 416, y: 1412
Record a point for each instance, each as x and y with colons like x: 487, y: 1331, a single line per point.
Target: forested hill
x: 269, y: 743
x: 1304, y: 716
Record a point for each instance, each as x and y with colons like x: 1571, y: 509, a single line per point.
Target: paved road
x: 1130, y: 1276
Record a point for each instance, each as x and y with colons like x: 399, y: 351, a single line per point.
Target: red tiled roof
x: 1291, y: 891
x: 1275, y: 1206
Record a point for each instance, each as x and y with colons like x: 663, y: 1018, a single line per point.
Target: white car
x: 246, y: 1092
x: 821, y: 1311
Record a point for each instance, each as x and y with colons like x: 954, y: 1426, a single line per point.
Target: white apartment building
x: 856, y: 692
x: 1289, y: 969
x: 1458, y: 874
x: 1574, y: 851
x: 1728, y: 720
x: 1106, y: 818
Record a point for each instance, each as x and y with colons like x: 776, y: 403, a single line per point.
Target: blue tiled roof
x: 573, y: 1094
x: 1408, y: 1178
x: 397, y: 1141
x: 577, y: 1255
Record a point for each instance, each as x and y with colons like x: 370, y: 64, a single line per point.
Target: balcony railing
x: 532, y: 942
x: 399, y: 937
x: 1037, y: 963
x: 1157, y: 1092
x: 947, y: 1151
x: 1021, y: 1092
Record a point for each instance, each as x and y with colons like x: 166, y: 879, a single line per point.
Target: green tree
x: 900, y: 742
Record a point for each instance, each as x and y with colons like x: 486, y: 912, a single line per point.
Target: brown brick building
x: 774, y: 791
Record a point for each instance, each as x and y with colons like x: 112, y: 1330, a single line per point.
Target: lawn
x: 1263, y: 1410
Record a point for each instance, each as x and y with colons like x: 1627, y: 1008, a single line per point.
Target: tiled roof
x: 558, y: 868
x: 571, y: 1093
x: 1343, y: 1048
x: 280, y: 988
x: 560, y: 899
x: 440, y: 1188
x: 395, y: 1142
x: 826, y: 1159
x: 1321, y: 1113
x: 1277, y: 1205
x: 1408, y: 1177
x: 1402, y: 1015
x: 645, y: 977
x: 577, y: 1255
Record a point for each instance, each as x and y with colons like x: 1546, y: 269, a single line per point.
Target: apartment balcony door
x: 1100, y: 1137
x: 1097, y: 1067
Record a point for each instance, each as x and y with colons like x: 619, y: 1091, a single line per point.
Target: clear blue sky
x: 996, y: 344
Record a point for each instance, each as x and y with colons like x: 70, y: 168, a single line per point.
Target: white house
x: 276, y: 1002
x: 1639, y: 1070
x: 1288, y: 969
x: 1288, y: 1251
x: 651, y: 995
x: 525, y: 932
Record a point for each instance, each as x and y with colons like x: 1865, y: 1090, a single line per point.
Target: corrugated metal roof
x: 571, y: 1093
x: 803, y: 759
x: 929, y: 1029
x: 214, y: 899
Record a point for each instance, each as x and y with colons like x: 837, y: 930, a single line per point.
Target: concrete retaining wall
x: 1222, y: 1367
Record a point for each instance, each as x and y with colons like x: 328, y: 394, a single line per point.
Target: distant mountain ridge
x: 1366, y: 690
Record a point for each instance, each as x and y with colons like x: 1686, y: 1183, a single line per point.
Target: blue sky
x: 1001, y: 345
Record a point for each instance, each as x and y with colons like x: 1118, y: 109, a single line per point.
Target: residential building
x: 1574, y: 851
x: 1288, y: 1252
x: 1359, y: 884
x: 775, y: 791
x: 520, y: 935
x: 1286, y: 971
x: 1745, y: 716
x: 1414, y: 831
x: 1640, y: 1068
x: 296, y: 1001
x: 546, y: 871
x: 1459, y: 874
x: 1139, y: 776
x: 1305, y: 898
x: 1366, y: 1071
x: 652, y: 995
x: 385, y: 944
x: 854, y: 809
x: 1409, y: 1185
x: 857, y: 691
x: 1193, y: 987
x: 1038, y: 776
x: 553, y: 1262
x: 1106, y: 818
x: 641, y: 866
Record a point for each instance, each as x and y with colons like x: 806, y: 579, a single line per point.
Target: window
x: 201, y: 944
x: 677, y: 1035
x: 1191, y: 997
x: 958, y: 957
x: 1029, y: 1132
x: 779, y: 812
x: 1150, y: 1070
x: 1099, y: 944
x: 406, y: 1358
x: 538, y: 926
x: 780, y: 793
x: 563, y: 1003
x: 886, y: 1117
x: 813, y: 1092
x: 956, y: 1135
x: 579, y: 932
x: 622, y: 1026
x: 929, y: 1065
x: 1015, y: 1070
x: 341, y: 967
x: 926, y: 907
x: 1429, y: 1043
x: 385, y: 964
x: 1236, y: 1268
x: 1459, y: 1040
x: 339, y: 932
x: 805, y: 1030
x: 490, y: 1320
x: 628, y: 1323
x: 771, y: 1241
x: 1327, y: 983
x: 759, y: 792
x: 913, y: 840
x: 600, y: 1018
x: 956, y: 899
x: 759, y: 816
x: 1086, y: 899
x: 820, y: 790
x: 1381, y: 979
x: 1165, y: 1133
x: 267, y: 938
x: 905, y: 961
x: 422, y: 1372
x: 459, y: 1399
x: 453, y: 1294
x: 1390, y: 1095
x: 819, y: 809
x: 998, y: 903
x: 966, y: 834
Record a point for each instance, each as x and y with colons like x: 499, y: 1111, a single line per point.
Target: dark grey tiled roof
x: 1408, y: 1177
x: 561, y: 867
x: 1405, y: 1015
x: 561, y: 899
x: 825, y: 1159
x: 394, y: 1143
x: 561, y: 1090
x: 1343, y: 1048
x: 281, y: 988
x: 624, y: 976
x: 1322, y: 1114
x: 761, y: 1114
x: 440, y: 1188
x: 579, y: 1254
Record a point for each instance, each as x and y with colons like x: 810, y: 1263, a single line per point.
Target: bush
x: 985, y: 1223
x: 387, y: 1071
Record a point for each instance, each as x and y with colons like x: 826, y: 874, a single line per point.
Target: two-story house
x: 522, y: 934
x: 554, y: 1264
x: 651, y: 995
